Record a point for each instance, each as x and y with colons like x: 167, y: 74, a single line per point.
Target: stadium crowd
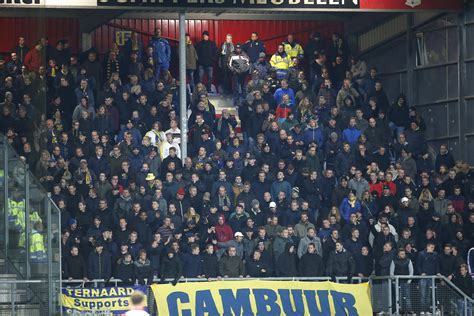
x: 322, y: 175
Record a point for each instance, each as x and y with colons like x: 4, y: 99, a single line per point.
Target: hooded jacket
x: 224, y: 232
x: 286, y: 263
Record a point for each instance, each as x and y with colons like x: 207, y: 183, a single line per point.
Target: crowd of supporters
x: 321, y: 175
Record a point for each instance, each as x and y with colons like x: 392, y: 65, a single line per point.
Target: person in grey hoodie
x: 280, y: 243
x: 310, y: 238
x: 359, y: 184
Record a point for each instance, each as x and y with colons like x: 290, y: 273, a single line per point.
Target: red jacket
x: 33, y: 60
x: 224, y: 232
x: 282, y: 111
x: 377, y: 187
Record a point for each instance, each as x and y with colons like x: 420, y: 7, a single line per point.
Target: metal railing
x: 19, y: 223
x: 23, y: 297
x: 390, y: 295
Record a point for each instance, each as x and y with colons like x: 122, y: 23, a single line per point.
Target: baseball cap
x: 262, y: 55
x: 273, y: 204
x: 238, y: 234
x: 404, y: 199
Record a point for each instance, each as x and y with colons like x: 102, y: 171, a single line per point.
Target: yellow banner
x: 263, y: 298
x: 114, y: 299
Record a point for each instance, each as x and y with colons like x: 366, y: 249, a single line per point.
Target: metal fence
x: 390, y: 295
x: 23, y: 297
x: 26, y: 209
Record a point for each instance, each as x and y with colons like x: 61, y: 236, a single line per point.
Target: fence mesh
x: 416, y: 296
x: 24, y: 299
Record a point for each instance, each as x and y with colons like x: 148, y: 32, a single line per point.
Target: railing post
x: 390, y: 295
x: 27, y: 222
x: 182, y: 86
x: 465, y: 306
x: 49, y: 237
x: 6, y: 201
x: 397, y: 296
x: 433, y: 296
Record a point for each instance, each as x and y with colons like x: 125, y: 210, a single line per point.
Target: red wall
x: 33, y: 28
x: 272, y: 32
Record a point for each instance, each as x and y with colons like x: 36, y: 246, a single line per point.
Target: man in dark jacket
x: 344, y: 160
x: 254, y: 47
x: 207, y: 55
x: 340, y: 263
x: 401, y: 265
x: 427, y: 264
x: 99, y: 265
x: 398, y: 115
x: 192, y: 265
x: 75, y: 267
x: 126, y: 270
x: 231, y: 265
x: 286, y: 262
x: 143, y: 268
x: 210, y: 266
x: 464, y: 282
x: 311, y: 264
x: 256, y: 267
x: 171, y: 267
x: 21, y: 49
x: 383, y: 265
x: 447, y: 262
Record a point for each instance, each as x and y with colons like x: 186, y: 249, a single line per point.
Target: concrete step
x: 20, y: 295
x: 7, y: 276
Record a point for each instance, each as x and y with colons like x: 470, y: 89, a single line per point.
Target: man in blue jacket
x: 161, y: 53
x: 280, y: 92
x: 254, y: 47
x: 352, y: 133
x: 192, y: 263
x: 314, y: 133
